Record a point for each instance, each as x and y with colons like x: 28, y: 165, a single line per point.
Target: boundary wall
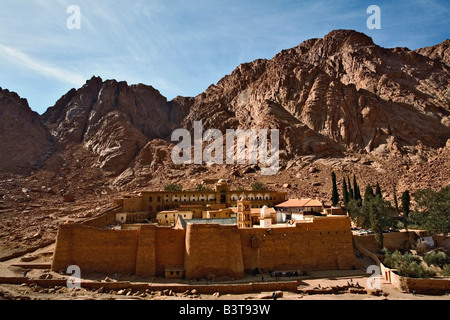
x: 229, y: 288
x: 432, y: 286
x: 207, y: 251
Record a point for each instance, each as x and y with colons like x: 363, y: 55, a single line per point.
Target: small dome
x: 265, y: 212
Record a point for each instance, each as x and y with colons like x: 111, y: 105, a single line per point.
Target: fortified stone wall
x: 96, y: 250
x: 106, y: 218
x: 213, y: 250
x: 146, y: 251
x: 170, y: 248
x: 391, y: 241
x: 205, y: 250
x: 324, y: 244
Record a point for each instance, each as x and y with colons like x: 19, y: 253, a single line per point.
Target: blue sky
x: 182, y: 47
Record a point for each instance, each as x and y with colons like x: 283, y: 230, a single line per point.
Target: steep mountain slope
x: 353, y: 95
x: 113, y: 120
x: 440, y: 52
x: 24, y: 141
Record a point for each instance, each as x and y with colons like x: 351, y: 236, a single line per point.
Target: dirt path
x: 314, y: 280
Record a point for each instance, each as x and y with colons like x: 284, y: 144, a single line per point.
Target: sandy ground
x: 314, y: 279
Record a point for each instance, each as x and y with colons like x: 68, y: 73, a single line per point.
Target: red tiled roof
x: 298, y: 203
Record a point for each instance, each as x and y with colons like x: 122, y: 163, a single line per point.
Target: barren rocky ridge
x: 341, y: 103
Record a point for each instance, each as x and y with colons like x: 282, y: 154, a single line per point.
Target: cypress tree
x: 368, y: 194
x: 345, y: 194
x: 396, y: 201
x: 351, y: 194
x: 335, y: 194
x: 356, y: 190
x: 406, y: 204
x: 378, y: 190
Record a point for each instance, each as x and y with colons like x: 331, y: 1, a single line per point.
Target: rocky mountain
x: 439, y: 52
x: 341, y: 102
x: 24, y: 141
x: 342, y: 92
x: 112, y: 120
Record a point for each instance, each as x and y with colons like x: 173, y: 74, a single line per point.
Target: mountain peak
x: 346, y: 34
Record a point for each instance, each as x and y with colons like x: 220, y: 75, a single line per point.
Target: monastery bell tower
x: 222, y: 192
x: 244, y: 212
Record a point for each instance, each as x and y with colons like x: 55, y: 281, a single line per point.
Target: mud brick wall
x: 324, y: 244
x: 96, y: 250
x: 213, y: 249
x: 206, y: 250
x: 391, y: 241
x: 169, y: 249
x: 145, y: 257
x: 106, y: 218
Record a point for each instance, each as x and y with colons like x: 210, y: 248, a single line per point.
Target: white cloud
x: 23, y: 60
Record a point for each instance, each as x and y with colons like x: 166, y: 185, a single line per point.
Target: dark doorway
x: 223, y: 198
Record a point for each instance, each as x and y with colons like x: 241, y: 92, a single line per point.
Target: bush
x: 258, y: 186
x: 415, y: 270
x: 407, y: 265
x: 446, y: 270
x: 173, y: 187
x: 201, y: 187
x: 438, y: 259
x: 394, y: 260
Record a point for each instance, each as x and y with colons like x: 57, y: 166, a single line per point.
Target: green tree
x: 378, y: 215
x: 258, y: 186
x: 201, y: 187
x: 446, y: 270
x: 406, y: 206
x: 351, y: 194
x: 378, y: 190
x: 345, y: 194
x: 432, y: 210
x: 396, y: 201
x: 355, y: 212
x: 407, y: 265
x: 439, y: 259
x: 356, y: 191
x: 335, y: 194
x: 368, y: 193
x: 173, y: 187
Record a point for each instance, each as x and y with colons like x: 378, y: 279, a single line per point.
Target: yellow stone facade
x: 157, y: 201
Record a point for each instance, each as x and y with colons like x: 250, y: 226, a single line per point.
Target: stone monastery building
x: 200, y: 245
